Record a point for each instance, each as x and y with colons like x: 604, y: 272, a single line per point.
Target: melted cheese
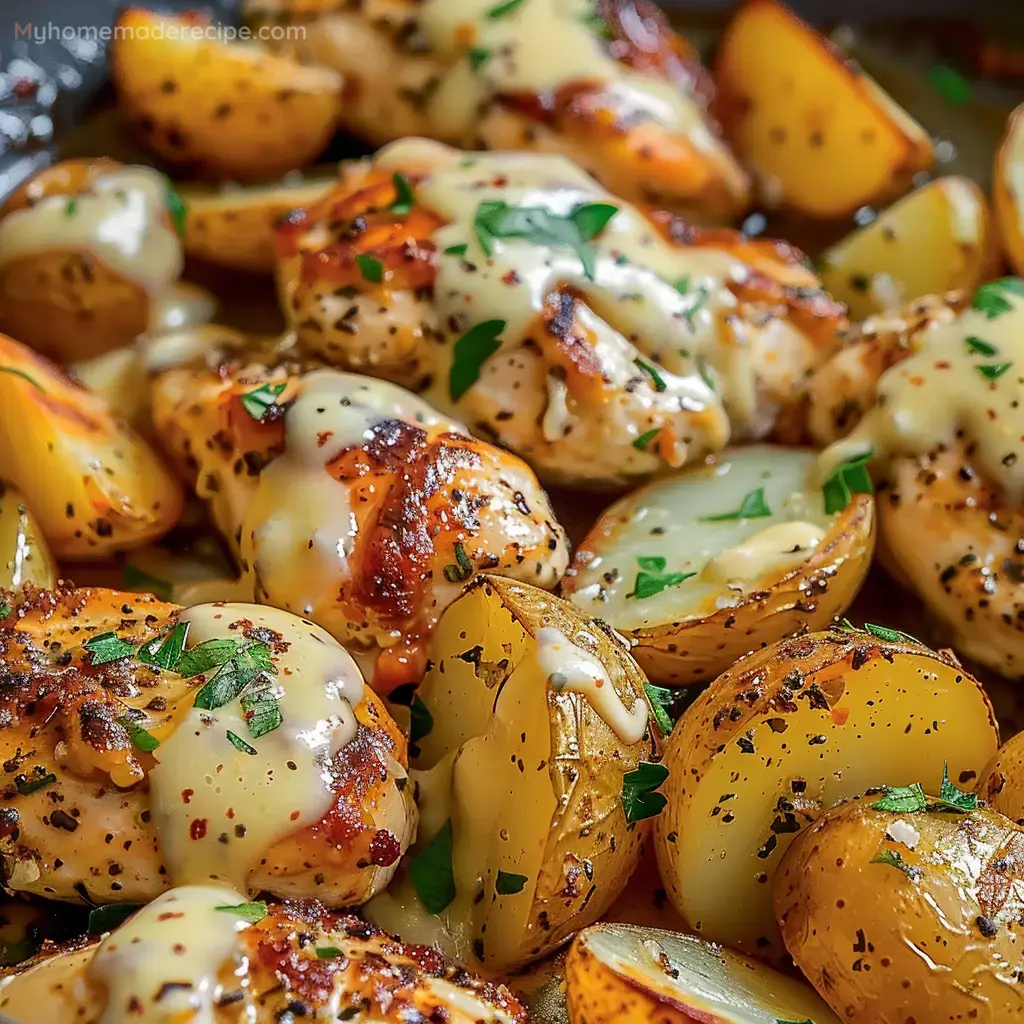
x: 218, y: 809
x: 163, y: 964
x: 940, y: 390
x: 722, y: 560
x: 567, y: 666
x: 122, y: 219
x: 303, y: 545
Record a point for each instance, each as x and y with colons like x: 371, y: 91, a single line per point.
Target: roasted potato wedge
x: 785, y: 734
x: 233, y: 226
x: 621, y: 974
x: 232, y: 110
x: 24, y: 554
x: 821, y: 137
x: 1008, y: 190
x: 910, y: 913
x: 730, y: 555
x: 939, y: 238
x: 94, y: 485
x: 538, y: 722
x: 1002, y: 782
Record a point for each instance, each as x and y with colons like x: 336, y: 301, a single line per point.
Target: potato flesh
x: 24, y: 554
x: 665, y: 520
x: 1008, y: 190
x: 883, y: 724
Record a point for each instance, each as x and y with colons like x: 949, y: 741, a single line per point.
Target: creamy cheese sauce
x: 163, y: 964
x: 300, y: 527
x: 218, y: 809
x: 567, y: 666
x: 966, y: 376
x: 708, y: 563
x: 637, y: 284
x: 121, y: 219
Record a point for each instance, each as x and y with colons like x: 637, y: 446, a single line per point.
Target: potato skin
x: 935, y: 941
x: 1007, y: 200
x: 1001, y: 784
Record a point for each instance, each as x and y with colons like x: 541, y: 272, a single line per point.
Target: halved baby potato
x: 1008, y: 190
x: 939, y: 238
x: 24, y: 554
x: 533, y: 761
x: 228, y: 108
x: 94, y: 485
x: 781, y: 737
x: 622, y: 974
x: 820, y: 135
x: 1002, y: 782
x: 903, y: 908
x: 233, y: 226
x: 699, y: 568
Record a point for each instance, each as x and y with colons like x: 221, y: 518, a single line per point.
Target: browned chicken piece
x: 602, y: 342
x: 610, y: 86
x: 200, y: 953
x: 144, y: 745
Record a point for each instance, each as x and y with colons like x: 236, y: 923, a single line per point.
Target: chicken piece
x: 353, y: 502
x: 613, y: 88
x: 145, y: 745
x: 201, y: 954
x: 600, y: 341
x: 94, y: 486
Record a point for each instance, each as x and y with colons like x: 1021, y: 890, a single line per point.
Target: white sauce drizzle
x: 769, y: 550
x: 249, y: 802
x: 925, y: 399
x: 569, y: 667
x: 180, y: 941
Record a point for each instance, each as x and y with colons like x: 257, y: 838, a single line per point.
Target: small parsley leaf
x: 259, y: 402
x: 107, y: 647
x: 639, y: 799
x: 205, y: 656
x: 456, y: 250
x: 848, y: 479
x: 902, y: 799
x: 462, y: 568
x: 754, y: 506
x: 251, y: 912
x: 893, y: 859
x: 241, y: 746
x: 370, y: 267
x: 991, y: 298
x: 177, y: 209
x: 993, y: 371
x: 956, y: 799
x: 431, y: 871
x: 652, y: 578
x: 71, y: 208
x: 656, y: 378
x: 471, y: 351
x: 404, y: 198
x: 261, y: 711
x: 508, y: 884
x: 979, y: 347
x: 141, y: 738
x: 502, y: 10
x: 14, y: 372
x: 5, y: 609
x: 478, y: 57
x: 950, y: 84
x: 661, y: 701
x: 328, y: 952
x: 166, y: 650
x: 641, y: 443
x: 891, y: 636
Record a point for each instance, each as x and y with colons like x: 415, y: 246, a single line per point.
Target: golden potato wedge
x: 939, y: 238
x: 230, y: 109
x: 901, y: 907
x: 1008, y: 190
x: 622, y: 974
x: 695, y: 583
x: 24, y: 554
x: 785, y: 734
x: 94, y: 485
x: 1002, y: 782
x: 821, y: 137
x: 535, y: 769
x: 233, y: 226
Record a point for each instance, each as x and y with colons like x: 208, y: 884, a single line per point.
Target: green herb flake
x: 699, y: 302
x: 5, y: 609
x: 140, y: 580
x: 505, y: 9
x: 891, y: 636
x: 456, y: 250
x: 652, y: 578
x: 166, y: 650
x: 656, y: 378
x: 107, y: 918
x: 478, y: 57
x: 953, y: 798
x: 979, y: 347
x: 370, y: 267
x: 240, y: 745
x: 639, y: 799
x: 235, y: 673
x: 328, y: 952
x: 894, y: 860
x: 39, y: 781
x: 471, y: 351
x: 205, y: 656
x: 848, y: 479
x: 404, y: 197
x: 177, y: 209
x: 754, y: 506
x: 15, y: 372
x: 107, y: 647
x: 661, y: 701
x: 508, y: 884
x: 71, y: 208
x: 902, y: 800
x: 641, y: 443
x: 261, y: 710
x: 950, y: 85
x: 993, y: 371
x: 251, y: 912
x: 259, y: 402
x: 141, y: 738
x: 431, y: 871
x: 991, y: 298
x: 421, y: 721
x: 461, y: 569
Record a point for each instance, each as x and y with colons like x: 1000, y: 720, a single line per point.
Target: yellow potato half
x: 939, y: 238
x: 24, y: 555
x: 1008, y: 190
x: 782, y: 736
x: 1002, y: 781
x: 820, y: 135
x: 229, y: 108
x: 621, y: 974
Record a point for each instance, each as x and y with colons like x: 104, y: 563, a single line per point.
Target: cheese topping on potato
x: 234, y: 779
x: 966, y: 376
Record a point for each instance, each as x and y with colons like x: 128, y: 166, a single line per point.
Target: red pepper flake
x: 385, y: 849
x: 295, y: 815
x: 25, y: 88
x: 178, y: 948
x: 170, y: 915
x: 943, y: 365
x: 840, y: 715
x: 186, y: 795
x: 917, y: 381
x: 511, y: 278
x: 231, y: 812
x: 197, y: 830
x: 992, y: 414
x: 323, y: 437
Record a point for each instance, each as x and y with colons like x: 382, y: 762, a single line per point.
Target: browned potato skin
x: 808, y: 598
x: 1002, y: 782
x: 865, y: 932
x: 229, y: 110
x: 94, y: 485
x: 1008, y: 203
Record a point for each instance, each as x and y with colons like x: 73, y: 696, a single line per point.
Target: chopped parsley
x: 641, y: 443
x: 652, y: 578
x: 139, y: 579
x: 106, y: 919
x: 950, y: 84
x: 5, y: 609
x: 431, y: 871
x: 251, y: 912
x: 234, y: 673
x: 261, y: 710
x: 71, y: 208
x: 848, y: 479
x: 456, y: 250
x: 166, y: 650
x: 639, y: 799
x: 240, y: 745
x: 23, y: 375
x: 328, y: 952
x: 41, y: 779
x: 404, y: 197
x: 953, y: 798
x: 370, y: 267
x: 902, y: 799
x: 754, y: 506
x: 177, y: 209
x: 502, y: 10
x: 979, y: 347
x: 461, y: 569
x: 661, y: 701
x: 991, y: 298
x: 891, y: 636
x: 478, y: 57
x: 141, y: 738
x: 656, y: 378
x: 705, y: 373
x: 471, y: 351
x: 258, y: 403
x: 993, y: 371
x: 508, y: 884
x: 107, y: 647
x: 894, y: 860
